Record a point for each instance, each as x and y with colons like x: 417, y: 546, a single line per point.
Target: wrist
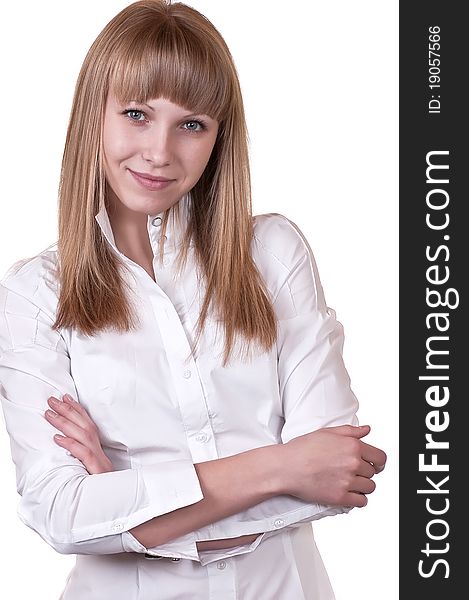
x: 275, y: 473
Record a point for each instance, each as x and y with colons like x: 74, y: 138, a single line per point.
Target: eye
x: 135, y: 115
x: 139, y: 117
x: 201, y: 124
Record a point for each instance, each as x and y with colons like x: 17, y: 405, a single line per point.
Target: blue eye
x: 138, y: 117
x: 200, y: 123
x: 131, y: 112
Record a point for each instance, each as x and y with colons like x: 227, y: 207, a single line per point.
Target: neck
x: 131, y: 234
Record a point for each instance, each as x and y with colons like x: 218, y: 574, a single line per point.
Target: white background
x: 320, y: 85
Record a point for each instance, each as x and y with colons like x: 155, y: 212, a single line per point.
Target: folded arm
x: 173, y: 505
x: 310, y: 467
x: 73, y: 511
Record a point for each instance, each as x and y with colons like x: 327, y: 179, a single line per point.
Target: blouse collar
x: 174, y: 231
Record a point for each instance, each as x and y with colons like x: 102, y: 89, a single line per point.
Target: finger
x: 375, y: 456
x: 91, y: 461
x: 89, y: 423
x: 76, y: 449
x: 363, y: 485
x: 354, y: 499
x: 61, y: 441
x: 68, y: 427
x: 67, y: 411
x: 350, y: 430
x: 77, y: 406
x: 366, y: 469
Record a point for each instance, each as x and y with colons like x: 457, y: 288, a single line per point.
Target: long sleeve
x: 301, y: 385
x: 73, y: 511
x: 313, y: 382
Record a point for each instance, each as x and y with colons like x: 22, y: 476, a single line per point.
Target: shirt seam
x: 289, y: 272
x: 28, y: 299
x: 18, y: 347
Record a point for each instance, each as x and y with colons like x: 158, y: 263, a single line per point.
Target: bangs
x: 179, y: 65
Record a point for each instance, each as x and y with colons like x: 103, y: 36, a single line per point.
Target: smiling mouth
x: 150, y: 177
x: 150, y: 182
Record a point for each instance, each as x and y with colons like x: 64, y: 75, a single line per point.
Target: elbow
x: 58, y: 544
x: 63, y: 543
x: 98, y: 546
x: 110, y: 544
x: 49, y: 510
x: 55, y: 513
x: 48, y: 520
x: 63, y: 548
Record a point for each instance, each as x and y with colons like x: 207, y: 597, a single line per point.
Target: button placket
x: 187, y: 385
x: 154, y: 225
x: 222, y: 580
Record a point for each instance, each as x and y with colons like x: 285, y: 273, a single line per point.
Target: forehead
x: 175, y: 81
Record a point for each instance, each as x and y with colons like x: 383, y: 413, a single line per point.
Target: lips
x: 150, y: 177
x: 151, y: 182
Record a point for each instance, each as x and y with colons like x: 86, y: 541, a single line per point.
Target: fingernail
x: 58, y: 438
x: 55, y: 401
x: 68, y: 398
x: 49, y: 413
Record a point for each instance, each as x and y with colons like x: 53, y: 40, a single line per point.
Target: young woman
x: 182, y: 347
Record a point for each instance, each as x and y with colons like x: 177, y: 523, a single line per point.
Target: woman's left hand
x: 81, y: 434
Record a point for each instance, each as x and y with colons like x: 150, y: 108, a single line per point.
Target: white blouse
x: 159, y: 411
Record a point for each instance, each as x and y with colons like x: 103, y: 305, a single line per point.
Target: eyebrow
x: 184, y: 117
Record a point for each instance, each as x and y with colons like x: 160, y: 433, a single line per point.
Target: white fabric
x: 159, y: 413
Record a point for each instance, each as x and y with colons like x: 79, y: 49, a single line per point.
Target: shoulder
x: 286, y: 262
x: 280, y: 241
x: 31, y: 282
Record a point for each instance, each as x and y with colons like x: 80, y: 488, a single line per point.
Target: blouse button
x: 221, y: 565
x: 156, y: 222
x: 187, y: 374
x: 117, y: 527
x: 279, y: 523
x: 201, y: 437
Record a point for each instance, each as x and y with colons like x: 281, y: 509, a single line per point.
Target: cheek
x: 200, y: 157
x: 117, y: 145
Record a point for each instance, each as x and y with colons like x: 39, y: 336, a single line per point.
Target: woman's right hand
x: 331, y: 466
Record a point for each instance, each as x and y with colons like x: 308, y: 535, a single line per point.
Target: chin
x: 153, y: 206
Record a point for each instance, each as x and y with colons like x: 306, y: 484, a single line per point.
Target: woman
x: 182, y: 347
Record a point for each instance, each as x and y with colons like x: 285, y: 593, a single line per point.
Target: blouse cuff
x: 185, y: 547
x: 275, y: 521
x: 182, y: 547
x: 171, y: 485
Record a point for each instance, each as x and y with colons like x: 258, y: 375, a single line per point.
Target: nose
x: 157, y: 147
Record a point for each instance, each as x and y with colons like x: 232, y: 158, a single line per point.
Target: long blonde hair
x: 152, y: 49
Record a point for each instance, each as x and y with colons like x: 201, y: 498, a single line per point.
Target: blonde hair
x: 152, y: 49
